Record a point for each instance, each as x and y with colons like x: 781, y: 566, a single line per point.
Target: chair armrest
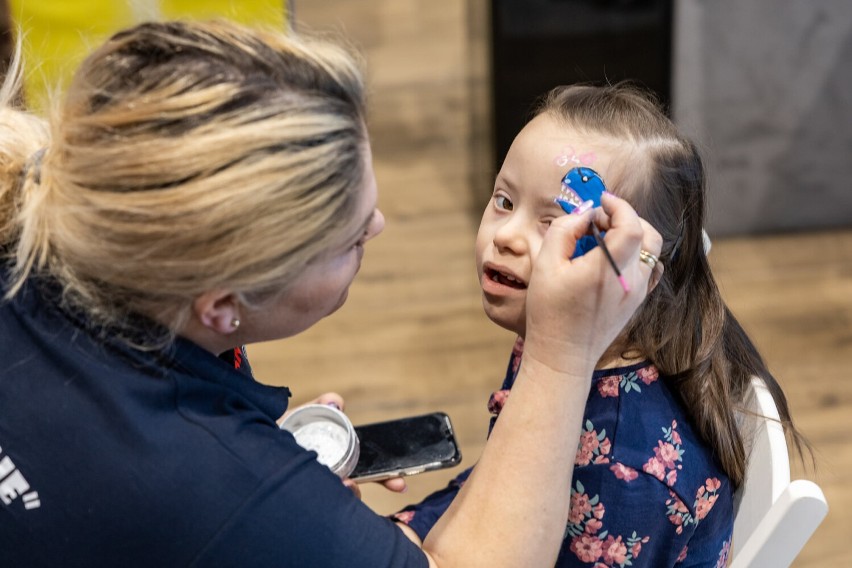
x: 785, y: 528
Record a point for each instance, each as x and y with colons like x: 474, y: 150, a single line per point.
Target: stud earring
x: 235, y: 323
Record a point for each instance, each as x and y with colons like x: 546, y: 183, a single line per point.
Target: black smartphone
x: 406, y: 446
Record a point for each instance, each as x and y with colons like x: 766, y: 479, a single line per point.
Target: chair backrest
x: 773, y: 518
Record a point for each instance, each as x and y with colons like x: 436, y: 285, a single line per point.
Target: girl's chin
x: 510, y: 321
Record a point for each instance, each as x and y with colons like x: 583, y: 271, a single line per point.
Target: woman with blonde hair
x: 200, y: 187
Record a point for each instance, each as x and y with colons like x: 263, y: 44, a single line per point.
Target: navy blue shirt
x: 111, y: 456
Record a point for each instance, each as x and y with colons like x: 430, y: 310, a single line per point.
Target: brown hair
x: 684, y: 326
x: 184, y: 157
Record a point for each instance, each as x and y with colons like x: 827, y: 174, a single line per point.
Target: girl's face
x: 323, y: 286
x: 521, y: 209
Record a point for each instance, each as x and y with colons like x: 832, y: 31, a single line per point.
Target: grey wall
x: 765, y: 86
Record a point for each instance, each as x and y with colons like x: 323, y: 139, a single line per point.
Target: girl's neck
x: 619, y: 355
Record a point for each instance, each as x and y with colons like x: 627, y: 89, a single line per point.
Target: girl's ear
x: 218, y: 311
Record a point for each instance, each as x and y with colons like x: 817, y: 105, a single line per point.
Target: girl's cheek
x: 535, y: 247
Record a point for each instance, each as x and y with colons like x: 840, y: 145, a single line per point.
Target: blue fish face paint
x: 582, y: 184
x: 579, y: 185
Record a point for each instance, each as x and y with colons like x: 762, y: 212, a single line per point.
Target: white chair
x: 773, y: 518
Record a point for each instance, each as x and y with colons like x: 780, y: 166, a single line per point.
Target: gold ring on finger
x: 648, y: 258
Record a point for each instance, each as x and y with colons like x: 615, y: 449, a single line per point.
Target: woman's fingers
x: 649, y: 253
x: 330, y: 398
x: 396, y: 484
x: 563, y: 234
x: 580, y: 302
x: 624, y: 230
x: 352, y: 487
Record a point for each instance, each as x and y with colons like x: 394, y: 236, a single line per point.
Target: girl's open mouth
x: 504, y: 279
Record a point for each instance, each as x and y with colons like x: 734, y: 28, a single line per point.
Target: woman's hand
x: 330, y: 398
x: 576, y: 308
x: 397, y: 484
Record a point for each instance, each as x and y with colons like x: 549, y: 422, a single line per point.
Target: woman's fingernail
x: 583, y: 207
x: 333, y: 405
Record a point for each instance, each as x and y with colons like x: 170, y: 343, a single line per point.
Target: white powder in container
x: 329, y: 433
x: 329, y: 440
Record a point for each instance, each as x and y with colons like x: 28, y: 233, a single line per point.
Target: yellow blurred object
x: 58, y: 33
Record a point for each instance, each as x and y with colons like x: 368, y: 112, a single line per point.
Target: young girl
x: 660, y: 456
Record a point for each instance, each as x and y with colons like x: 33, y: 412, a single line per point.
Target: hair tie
x: 34, y: 165
x: 676, y: 245
x: 706, y: 243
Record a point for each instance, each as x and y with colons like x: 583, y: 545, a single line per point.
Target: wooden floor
x: 412, y: 337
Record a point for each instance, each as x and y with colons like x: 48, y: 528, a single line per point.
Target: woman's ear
x: 218, y: 311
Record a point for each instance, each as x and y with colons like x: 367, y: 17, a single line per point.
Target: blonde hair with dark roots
x: 684, y: 326
x: 184, y: 157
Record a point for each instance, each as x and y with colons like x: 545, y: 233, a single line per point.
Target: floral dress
x: 646, y: 491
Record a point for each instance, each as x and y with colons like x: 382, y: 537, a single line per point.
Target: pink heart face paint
x: 569, y: 156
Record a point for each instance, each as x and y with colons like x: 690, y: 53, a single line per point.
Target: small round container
x: 329, y: 433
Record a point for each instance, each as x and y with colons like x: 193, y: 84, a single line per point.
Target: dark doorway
x: 539, y: 44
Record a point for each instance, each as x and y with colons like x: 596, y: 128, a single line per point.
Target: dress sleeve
x: 307, y: 517
x: 620, y: 516
x: 710, y: 542
x: 423, y: 516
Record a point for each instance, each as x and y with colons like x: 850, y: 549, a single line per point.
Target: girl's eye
x: 503, y: 202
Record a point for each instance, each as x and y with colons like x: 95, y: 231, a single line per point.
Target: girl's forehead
x: 552, y: 145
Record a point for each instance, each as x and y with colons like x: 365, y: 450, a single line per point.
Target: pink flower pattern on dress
x: 497, y: 400
x: 723, y: 554
x: 705, y: 498
x: 678, y: 512
x: 404, y: 516
x: 517, y: 354
x: 624, y: 472
x: 648, y: 374
x: 594, y: 446
x: 610, y: 386
x: 667, y: 458
x: 588, y: 542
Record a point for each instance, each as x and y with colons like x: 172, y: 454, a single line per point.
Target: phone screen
x: 406, y: 446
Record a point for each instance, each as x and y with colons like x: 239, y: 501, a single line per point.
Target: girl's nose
x: 511, y: 236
